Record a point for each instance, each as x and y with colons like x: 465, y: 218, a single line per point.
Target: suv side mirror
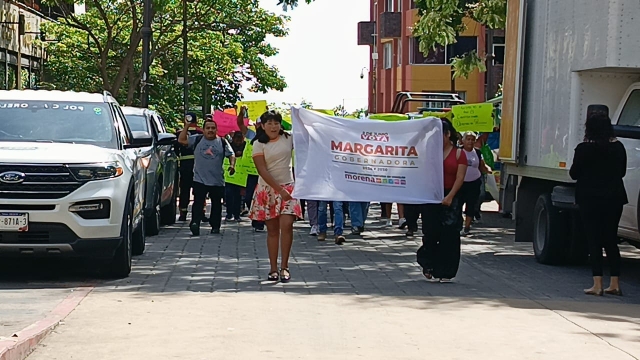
x: 166, y: 139
x: 139, y: 139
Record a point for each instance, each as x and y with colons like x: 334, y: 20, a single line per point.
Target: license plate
x: 14, y: 221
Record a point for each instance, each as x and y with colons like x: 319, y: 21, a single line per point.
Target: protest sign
x: 239, y: 178
x: 254, y: 108
x: 227, y: 123
x: 473, y: 117
x: 367, y: 160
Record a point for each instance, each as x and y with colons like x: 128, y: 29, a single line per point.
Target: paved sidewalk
x: 205, y: 298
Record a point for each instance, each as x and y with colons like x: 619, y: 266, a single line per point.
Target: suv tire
x: 120, y: 266
x: 168, y: 212
x: 139, y: 239
x: 153, y: 222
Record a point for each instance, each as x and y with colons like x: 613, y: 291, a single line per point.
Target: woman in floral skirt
x: 272, y: 201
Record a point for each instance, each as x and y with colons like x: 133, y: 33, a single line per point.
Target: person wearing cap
x: 185, y: 166
x: 470, y: 190
x: 252, y: 180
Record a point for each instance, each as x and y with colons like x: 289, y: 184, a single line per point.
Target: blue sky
x: 320, y: 59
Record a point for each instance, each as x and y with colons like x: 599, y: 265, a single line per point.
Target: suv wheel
x: 120, y: 266
x: 139, y: 239
x: 168, y: 212
x: 153, y: 223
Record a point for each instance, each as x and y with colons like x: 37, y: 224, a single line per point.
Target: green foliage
x: 442, y: 20
x: 101, y: 50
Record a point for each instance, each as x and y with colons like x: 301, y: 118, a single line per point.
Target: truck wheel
x: 168, y: 212
x: 549, y: 232
x: 153, y: 221
x: 120, y: 266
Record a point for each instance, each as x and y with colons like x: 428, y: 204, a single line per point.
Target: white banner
x: 338, y: 159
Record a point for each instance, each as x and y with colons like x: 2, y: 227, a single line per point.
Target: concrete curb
x: 22, y: 343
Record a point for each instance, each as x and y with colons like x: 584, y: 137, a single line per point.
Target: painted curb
x: 22, y: 343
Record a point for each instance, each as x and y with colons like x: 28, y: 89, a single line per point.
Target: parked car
x: 72, y: 181
x: 161, y: 164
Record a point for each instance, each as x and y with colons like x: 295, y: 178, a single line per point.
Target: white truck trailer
x: 562, y: 56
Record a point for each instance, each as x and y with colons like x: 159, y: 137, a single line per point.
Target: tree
x: 100, y: 50
x: 442, y: 20
x: 340, y: 111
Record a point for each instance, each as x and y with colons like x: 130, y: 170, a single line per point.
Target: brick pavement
x: 205, y: 298
x: 381, y: 262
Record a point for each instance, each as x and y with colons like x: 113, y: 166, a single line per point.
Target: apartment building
x: 397, y: 64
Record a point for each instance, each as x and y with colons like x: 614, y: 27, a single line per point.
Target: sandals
x: 273, y: 276
x: 615, y: 292
x: 285, y: 275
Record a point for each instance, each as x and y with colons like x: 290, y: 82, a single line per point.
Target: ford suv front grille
x: 39, y: 182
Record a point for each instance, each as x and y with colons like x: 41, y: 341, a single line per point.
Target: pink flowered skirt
x: 267, y: 204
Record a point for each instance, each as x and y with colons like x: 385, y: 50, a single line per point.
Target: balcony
x: 390, y: 25
x: 366, y: 31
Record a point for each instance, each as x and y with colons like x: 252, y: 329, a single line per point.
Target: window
x: 399, y: 52
x: 159, y: 124
x: 630, y: 115
x: 389, y: 5
x: 442, y: 104
x: 58, y: 122
x: 442, y: 55
x: 387, y: 55
x: 137, y: 123
x: 413, y: 4
x: 400, y: 5
x: 498, y: 50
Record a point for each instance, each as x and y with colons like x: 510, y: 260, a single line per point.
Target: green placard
x: 239, y: 178
x: 473, y: 117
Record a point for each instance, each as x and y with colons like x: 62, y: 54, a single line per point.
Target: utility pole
x: 21, y: 31
x: 146, y: 52
x: 185, y: 56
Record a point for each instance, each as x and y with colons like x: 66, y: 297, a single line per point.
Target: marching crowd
x: 267, y: 197
x: 267, y: 200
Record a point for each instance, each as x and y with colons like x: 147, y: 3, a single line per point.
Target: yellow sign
x: 473, y: 117
x: 327, y: 112
x: 246, y: 162
x: 254, y: 108
x: 244, y: 167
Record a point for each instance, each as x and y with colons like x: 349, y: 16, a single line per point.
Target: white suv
x: 71, y: 179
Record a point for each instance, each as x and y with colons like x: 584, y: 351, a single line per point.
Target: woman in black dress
x: 599, y: 164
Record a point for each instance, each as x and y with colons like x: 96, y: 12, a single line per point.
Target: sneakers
x: 215, y: 231
x: 446, y: 281
x: 465, y: 231
x: 402, y: 223
x: 195, y: 229
x: 314, y: 230
x: 356, y: 231
x: 389, y: 223
x: 322, y: 236
x: 183, y: 216
x: 340, y: 240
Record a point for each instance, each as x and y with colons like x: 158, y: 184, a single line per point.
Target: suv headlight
x: 98, y: 171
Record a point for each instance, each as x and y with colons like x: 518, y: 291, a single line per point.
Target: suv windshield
x: 57, y: 121
x: 137, y: 123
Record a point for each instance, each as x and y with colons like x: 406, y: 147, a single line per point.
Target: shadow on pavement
x: 379, y: 265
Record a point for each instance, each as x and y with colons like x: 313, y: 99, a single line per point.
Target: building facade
x: 21, y: 55
x: 397, y: 64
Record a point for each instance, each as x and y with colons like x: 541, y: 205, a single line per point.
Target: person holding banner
x: 252, y: 180
x: 439, y: 255
x: 272, y: 201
